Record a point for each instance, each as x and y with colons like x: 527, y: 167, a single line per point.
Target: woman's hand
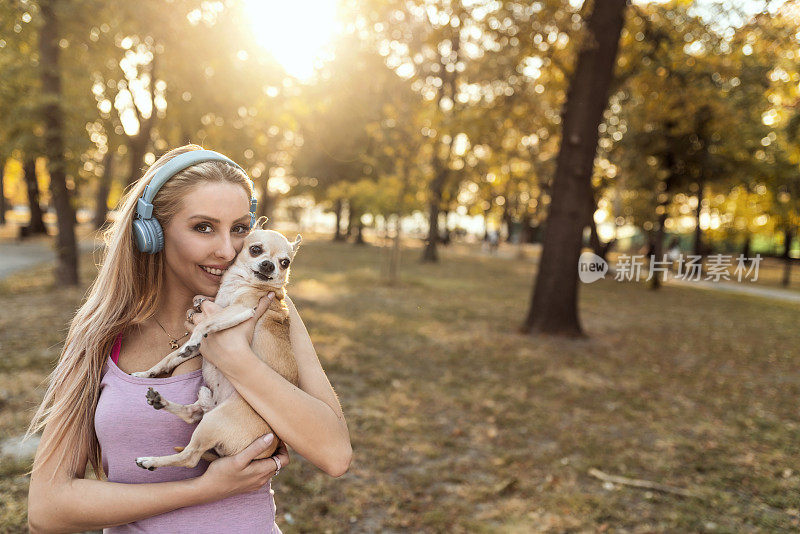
x: 217, y: 345
x: 232, y: 475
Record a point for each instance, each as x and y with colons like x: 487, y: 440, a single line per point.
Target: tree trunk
x: 524, y: 232
x: 594, y: 237
x: 656, y: 249
x: 350, y: 226
x: 698, y: 248
x: 66, y: 273
x: 266, y: 204
x: 394, y: 263
x: 36, y: 224
x: 2, y: 190
x: 440, y: 165
x: 139, y: 143
x: 359, y: 233
x: 103, y: 187
x: 787, y: 260
x: 430, y: 254
x: 337, y: 208
x: 553, y: 307
x: 137, y: 146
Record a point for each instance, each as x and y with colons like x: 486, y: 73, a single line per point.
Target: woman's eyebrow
x: 212, y: 219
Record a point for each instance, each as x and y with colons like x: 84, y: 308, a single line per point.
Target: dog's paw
x: 189, y: 350
x: 146, y: 462
x: 154, y: 399
x: 143, y: 374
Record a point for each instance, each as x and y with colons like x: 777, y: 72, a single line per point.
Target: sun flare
x: 295, y: 32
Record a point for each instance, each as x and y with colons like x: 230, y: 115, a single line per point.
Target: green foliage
x: 411, y: 91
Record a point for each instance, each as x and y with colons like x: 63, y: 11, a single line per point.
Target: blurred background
x: 447, y: 163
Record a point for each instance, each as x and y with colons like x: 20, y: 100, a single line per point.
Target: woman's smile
x: 213, y: 274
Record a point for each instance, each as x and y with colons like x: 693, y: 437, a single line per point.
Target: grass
x: 460, y: 424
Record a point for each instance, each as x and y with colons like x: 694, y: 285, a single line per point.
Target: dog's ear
x: 261, y: 222
x: 296, y: 244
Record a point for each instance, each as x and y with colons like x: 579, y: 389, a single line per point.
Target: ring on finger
x: 189, y: 314
x: 200, y: 303
x: 277, y: 464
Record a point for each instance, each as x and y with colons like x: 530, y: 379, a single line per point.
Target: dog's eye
x: 284, y: 263
x: 255, y: 250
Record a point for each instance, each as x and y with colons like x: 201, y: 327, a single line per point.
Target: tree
x: 554, y: 300
x: 66, y: 272
x: 36, y: 221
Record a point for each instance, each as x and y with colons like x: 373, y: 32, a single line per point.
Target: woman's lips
x: 213, y: 277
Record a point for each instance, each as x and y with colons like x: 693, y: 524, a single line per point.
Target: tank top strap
x: 116, y: 349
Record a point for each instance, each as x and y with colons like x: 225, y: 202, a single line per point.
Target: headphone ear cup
x: 158, y: 236
x: 148, y: 235
x: 140, y: 235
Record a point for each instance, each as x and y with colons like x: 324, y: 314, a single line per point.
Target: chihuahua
x: 228, y: 423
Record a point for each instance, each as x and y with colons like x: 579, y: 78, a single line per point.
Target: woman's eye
x: 202, y: 225
x: 243, y: 229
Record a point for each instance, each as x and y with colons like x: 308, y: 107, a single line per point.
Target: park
x: 550, y: 251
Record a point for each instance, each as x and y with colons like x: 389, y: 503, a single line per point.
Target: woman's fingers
x: 195, y: 315
x: 283, y: 452
x: 264, y: 303
x: 258, y: 446
x: 198, y: 301
x: 268, y: 466
x: 209, y: 306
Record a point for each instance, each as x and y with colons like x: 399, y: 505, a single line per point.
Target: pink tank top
x: 128, y: 427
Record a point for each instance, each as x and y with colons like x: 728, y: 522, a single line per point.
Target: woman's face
x: 206, y: 233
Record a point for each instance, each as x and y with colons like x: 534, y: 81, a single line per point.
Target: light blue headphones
x: 147, y: 231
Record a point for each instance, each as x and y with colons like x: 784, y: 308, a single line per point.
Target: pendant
x: 174, y: 344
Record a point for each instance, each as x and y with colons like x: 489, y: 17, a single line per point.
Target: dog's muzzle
x: 265, y: 270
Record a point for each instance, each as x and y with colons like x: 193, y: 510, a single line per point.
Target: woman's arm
x: 71, y: 503
x: 308, y: 418
x: 81, y: 504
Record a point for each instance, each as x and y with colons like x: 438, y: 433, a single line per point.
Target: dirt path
x: 19, y: 256
x: 743, y: 288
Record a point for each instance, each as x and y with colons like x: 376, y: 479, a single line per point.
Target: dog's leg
x: 202, y: 440
x: 206, y: 436
x: 191, y: 413
x: 227, y: 318
x: 170, y: 362
x: 208, y: 456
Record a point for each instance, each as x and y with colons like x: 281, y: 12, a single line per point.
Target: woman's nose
x: 225, y: 249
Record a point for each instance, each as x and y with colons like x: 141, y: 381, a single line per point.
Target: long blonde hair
x: 124, y: 293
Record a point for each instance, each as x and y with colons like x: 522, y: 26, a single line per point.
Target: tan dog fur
x: 228, y: 423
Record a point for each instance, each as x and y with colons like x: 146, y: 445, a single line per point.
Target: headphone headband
x: 147, y: 232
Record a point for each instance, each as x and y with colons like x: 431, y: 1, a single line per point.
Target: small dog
x: 227, y: 422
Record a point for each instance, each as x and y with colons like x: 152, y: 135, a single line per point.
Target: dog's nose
x: 267, y: 266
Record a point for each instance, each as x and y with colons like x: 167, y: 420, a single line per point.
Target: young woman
x: 134, y: 314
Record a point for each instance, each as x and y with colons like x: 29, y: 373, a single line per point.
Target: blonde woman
x: 135, y: 312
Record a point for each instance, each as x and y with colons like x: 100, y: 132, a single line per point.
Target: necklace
x: 173, y: 342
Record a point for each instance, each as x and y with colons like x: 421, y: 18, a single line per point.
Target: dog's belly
x: 220, y: 387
